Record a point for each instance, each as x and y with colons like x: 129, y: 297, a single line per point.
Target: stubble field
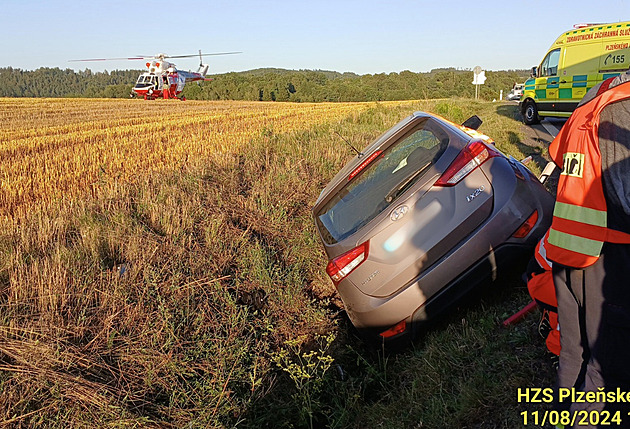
x: 159, y: 268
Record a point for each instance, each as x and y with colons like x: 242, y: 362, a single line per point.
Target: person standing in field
x: 589, y: 244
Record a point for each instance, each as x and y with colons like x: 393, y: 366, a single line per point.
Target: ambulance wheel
x: 530, y: 113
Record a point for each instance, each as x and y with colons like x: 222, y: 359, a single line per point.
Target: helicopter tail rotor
x: 203, y: 68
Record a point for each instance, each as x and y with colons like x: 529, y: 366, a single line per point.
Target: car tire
x: 530, y: 113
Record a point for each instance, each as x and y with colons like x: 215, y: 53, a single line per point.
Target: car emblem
x: 398, y: 212
x: 369, y: 279
x: 475, y: 194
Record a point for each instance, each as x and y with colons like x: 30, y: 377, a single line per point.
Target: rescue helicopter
x: 163, y: 79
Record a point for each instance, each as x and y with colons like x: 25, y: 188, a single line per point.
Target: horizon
x: 271, y: 69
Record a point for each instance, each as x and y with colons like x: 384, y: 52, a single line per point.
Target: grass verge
x: 196, y: 297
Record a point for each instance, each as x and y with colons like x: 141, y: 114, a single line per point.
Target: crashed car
x: 422, y: 215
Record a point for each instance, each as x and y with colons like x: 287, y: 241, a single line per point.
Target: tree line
x: 267, y: 84
x: 54, y: 82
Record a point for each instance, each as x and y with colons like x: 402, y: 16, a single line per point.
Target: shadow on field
x: 535, y: 152
x: 510, y: 111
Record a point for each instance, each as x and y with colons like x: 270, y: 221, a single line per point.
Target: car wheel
x: 530, y: 113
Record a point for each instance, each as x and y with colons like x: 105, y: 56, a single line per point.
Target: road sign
x: 479, y: 78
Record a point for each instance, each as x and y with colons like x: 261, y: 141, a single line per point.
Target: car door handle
x: 563, y: 81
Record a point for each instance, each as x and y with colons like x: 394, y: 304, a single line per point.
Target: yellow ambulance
x: 578, y: 60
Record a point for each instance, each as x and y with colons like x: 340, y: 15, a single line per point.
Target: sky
x: 364, y: 37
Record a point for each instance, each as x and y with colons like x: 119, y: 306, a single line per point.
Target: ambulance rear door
x: 615, y: 50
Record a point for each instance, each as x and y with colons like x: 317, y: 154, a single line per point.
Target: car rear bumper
x: 421, y: 310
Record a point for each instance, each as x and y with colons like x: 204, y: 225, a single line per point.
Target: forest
x: 267, y: 85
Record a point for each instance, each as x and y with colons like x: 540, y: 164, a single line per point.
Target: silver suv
x: 422, y: 215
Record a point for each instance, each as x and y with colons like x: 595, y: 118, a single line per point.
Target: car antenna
x: 359, y: 154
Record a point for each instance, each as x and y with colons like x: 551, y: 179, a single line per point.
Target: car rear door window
x: 400, y: 166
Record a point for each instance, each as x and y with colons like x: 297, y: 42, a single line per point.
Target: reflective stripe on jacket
x: 540, y: 253
x: 579, y: 226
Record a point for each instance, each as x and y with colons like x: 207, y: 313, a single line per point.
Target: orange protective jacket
x: 579, y: 226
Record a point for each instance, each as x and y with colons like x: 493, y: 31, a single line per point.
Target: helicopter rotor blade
x: 112, y: 59
x: 149, y: 57
x: 203, y: 55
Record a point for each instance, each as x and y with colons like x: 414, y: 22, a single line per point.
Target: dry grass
x: 155, y: 258
x: 61, y: 149
x: 152, y: 256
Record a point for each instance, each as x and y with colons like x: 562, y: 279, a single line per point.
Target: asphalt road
x: 541, y: 135
x: 548, y: 128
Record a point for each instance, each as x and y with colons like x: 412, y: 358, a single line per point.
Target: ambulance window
x: 549, y: 66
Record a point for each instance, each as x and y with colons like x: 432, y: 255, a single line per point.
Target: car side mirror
x: 473, y: 122
x: 534, y: 72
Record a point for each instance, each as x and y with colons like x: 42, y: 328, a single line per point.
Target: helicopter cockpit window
x: 145, y: 81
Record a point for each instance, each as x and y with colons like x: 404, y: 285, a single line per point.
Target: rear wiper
x: 402, y: 186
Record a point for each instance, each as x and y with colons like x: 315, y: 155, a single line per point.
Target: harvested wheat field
x: 59, y: 149
x: 159, y: 268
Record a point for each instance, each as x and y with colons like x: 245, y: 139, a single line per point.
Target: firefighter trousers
x: 594, y: 319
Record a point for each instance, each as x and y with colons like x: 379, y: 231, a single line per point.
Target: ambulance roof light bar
x: 584, y: 25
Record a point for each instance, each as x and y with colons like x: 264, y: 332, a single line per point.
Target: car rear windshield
x: 375, y: 188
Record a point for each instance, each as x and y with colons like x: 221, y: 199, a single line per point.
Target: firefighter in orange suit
x: 589, y: 244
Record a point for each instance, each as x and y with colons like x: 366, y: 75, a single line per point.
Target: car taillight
x: 398, y: 328
x: 342, y: 265
x: 527, y: 226
x: 473, y: 155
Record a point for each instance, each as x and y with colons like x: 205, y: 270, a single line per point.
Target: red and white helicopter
x: 163, y: 80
